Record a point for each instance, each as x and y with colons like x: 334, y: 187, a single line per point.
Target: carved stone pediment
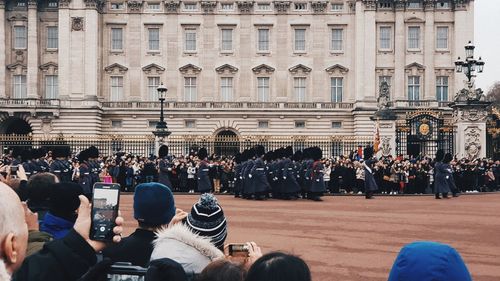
x: 226, y: 68
x: 190, y: 68
x: 18, y: 17
x: 263, y: 68
x: 17, y: 67
x: 153, y: 68
x: 337, y: 68
x: 282, y: 6
x: 208, y: 6
x: 134, y: 5
x: 300, y: 68
x: 48, y: 66
x: 245, y: 6
x: 172, y: 6
x: 414, y: 68
x: 116, y: 68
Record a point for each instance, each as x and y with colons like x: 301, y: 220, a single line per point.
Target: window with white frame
x: 53, y: 4
x: 337, y: 7
x: 116, y: 39
x: 117, y: 6
x: 337, y: 40
x: 190, y: 124
x: 445, y: 4
x: 263, y: 124
x: 414, y: 4
x: 385, y: 34
x: 263, y: 39
x: 263, y: 6
x: 190, y: 7
x: 153, y: 83
x: 413, y: 88
x: 300, y: 40
x: 189, y: 88
x: 153, y: 6
x: 226, y: 88
x: 116, y: 123
x: 336, y: 125
x: 190, y: 39
x: 442, y: 88
x: 20, y: 37
x: 116, y: 88
x: 227, y: 6
x: 336, y: 88
x: 154, y: 38
x: 263, y: 89
x: 300, y: 124
x: 226, y: 39
x: 442, y: 37
x: 302, y: 6
x: 299, y: 88
x: 52, y: 37
x: 19, y: 89
x: 414, y: 37
x: 51, y: 87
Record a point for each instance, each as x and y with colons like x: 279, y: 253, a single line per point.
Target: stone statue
x: 384, y: 97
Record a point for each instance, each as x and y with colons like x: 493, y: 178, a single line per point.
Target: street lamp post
x: 470, y: 65
x: 161, y: 131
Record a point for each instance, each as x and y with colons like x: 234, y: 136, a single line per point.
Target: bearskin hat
x: 297, y: 156
x: 25, y: 155
x: 41, y: 152
x: 447, y: 158
x: 439, y: 155
x: 259, y: 150
x: 163, y: 151
x: 61, y: 151
x: 368, y: 152
x: 202, y: 153
x: 289, y: 151
x: 317, y: 153
x: 93, y: 152
x: 83, y: 156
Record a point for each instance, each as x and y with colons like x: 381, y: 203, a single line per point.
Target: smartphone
x: 105, y: 202
x: 238, y: 250
x: 13, y: 169
x: 125, y: 271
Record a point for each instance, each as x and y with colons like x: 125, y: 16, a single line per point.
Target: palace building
x: 232, y: 67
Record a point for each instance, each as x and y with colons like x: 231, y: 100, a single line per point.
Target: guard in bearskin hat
x: 204, y: 182
x: 94, y: 164
x: 165, y: 167
x: 258, y: 178
x: 317, y: 182
x: 368, y: 164
x: 248, y: 187
x: 85, y: 177
x: 237, y: 172
x: 290, y: 186
x: 444, y: 182
x: 61, y: 167
x: 40, y: 161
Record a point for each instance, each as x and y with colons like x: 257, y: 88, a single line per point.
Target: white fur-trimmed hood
x: 4, y: 276
x: 192, y: 251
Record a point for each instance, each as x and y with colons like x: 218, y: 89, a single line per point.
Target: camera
x: 125, y: 271
x: 14, y: 169
x: 238, y: 250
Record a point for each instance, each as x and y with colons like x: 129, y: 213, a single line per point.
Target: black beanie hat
x: 64, y: 200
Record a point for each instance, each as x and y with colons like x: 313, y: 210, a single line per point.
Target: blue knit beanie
x: 153, y: 204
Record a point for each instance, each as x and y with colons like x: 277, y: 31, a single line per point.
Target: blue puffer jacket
x: 56, y: 226
x: 429, y: 261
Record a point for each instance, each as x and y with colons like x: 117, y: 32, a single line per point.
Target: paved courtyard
x: 352, y: 239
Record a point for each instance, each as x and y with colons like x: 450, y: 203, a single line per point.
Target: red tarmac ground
x: 350, y: 238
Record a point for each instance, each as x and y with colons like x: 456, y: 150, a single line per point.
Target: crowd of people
x: 256, y: 174
x: 45, y: 235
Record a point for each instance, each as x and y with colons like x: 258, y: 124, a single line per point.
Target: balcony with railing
x: 227, y: 105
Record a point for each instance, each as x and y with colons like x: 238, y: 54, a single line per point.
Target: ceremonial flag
x: 376, y: 140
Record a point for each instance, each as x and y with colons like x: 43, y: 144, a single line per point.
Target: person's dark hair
x: 222, y: 270
x: 278, y: 266
x: 40, y: 187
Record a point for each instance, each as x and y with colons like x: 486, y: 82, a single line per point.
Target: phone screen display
x: 104, y: 211
x: 125, y: 277
x: 237, y: 250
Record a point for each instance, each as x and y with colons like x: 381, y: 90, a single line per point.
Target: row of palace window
x: 227, y: 88
x: 337, y: 40
x: 153, y: 6
x: 300, y: 38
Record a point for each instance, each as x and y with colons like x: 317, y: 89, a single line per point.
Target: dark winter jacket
x: 136, y: 248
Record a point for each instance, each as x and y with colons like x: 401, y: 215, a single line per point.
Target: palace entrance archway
x: 226, y: 143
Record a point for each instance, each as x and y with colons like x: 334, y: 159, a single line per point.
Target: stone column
x: 400, y: 55
x: 470, y: 122
x: 32, y: 78
x: 429, y: 53
x: 370, y: 35
x: 359, y: 51
x: 92, y: 68
x: 3, y: 46
x: 386, y: 119
x: 63, y: 63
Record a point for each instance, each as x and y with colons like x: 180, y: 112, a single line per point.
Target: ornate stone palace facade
x: 299, y: 67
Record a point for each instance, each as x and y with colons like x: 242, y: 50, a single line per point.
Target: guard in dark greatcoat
x: 85, y: 179
x: 248, y: 188
x: 237, y: 174
x: 308, y: 164
x: 443, y: 176
x: 291, y: 187
x: 370, y: 183
x: 165, y: 167
x: 26, y: 158
x: 61, y: 167
x: 42, y: 164
x: 258, y: 176
x: 94, y: 164
x: 317, y: 182
x: 204, y: 184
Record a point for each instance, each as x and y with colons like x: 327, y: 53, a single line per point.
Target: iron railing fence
x: 183, y: 145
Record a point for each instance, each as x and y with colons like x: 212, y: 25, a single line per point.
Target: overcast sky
x: 487, y: 41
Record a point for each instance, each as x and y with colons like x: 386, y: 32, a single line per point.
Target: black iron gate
x: 422, y: 134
